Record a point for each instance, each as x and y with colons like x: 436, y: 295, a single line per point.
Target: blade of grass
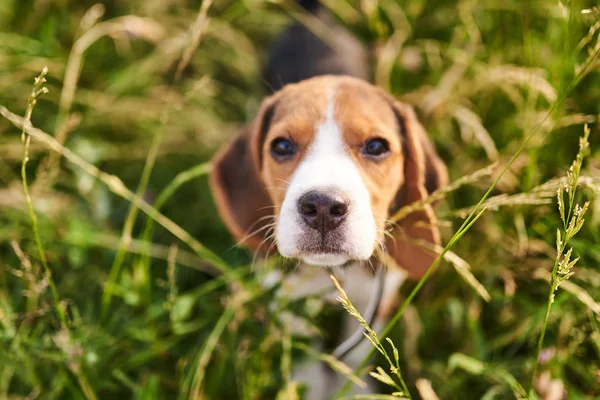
x: 164, y: 196
x: 129, y: 221
x: 235, y: 303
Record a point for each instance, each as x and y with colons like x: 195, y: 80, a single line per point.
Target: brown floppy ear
x: 239, y: 192
x: 424, y: 172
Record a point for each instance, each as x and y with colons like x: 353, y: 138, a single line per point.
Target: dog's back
x: 298, y: 54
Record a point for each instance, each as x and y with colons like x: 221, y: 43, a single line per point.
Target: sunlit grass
x: 118, y: 279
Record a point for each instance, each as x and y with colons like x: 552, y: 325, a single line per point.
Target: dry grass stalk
x: 462, y: 267
x: 581, y: 294
x: 381, y: 375
x: 540, y: 195
x: 126, y: 26
x: 153, y: 250
x: 471, y: 125
x: 442, y: 192
x: 426, y: 390
x: 197, y: 30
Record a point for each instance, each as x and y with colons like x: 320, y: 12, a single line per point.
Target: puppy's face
x: 322, y: 167
x: 332, y: 163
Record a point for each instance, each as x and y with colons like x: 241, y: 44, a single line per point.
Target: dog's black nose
x: 321, y: 211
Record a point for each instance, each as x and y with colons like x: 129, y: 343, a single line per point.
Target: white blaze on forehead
x: 328, y: 166
x: 328, y: 139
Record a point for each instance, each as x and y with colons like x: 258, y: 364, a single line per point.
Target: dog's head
x: 321, y: 168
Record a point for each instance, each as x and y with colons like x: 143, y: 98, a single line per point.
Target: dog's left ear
x: 239, y: 192
x: 424, y: 172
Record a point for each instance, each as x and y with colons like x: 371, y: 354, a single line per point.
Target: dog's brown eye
x: 282, y: 149
x: 376, y: 147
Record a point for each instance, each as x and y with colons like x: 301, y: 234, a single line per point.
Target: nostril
x: 339, y: 210
x: 308, y: 208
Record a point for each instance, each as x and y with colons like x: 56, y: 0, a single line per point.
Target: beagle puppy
x: 316, y: 175
x: 325, y: 162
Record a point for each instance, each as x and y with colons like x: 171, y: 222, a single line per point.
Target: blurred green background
x: 482, y: 75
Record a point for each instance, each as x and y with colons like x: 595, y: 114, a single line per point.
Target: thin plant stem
x: 38, y: 90
x: 26, y: 138
x: 164, y: 196
x: 236, y: 303
x: 561, y: 270
x: 197, y: 29
x: 209, y: 347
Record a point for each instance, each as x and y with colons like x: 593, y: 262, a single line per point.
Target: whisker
x: 269, y: 249
x: 268, y: 85
x: 391, y: 223
x: 258, y: 250
x: 388, y: 234
x: 261, y: 219
x: 268, y: 226
x: 370, y: 264
x: 269, y: 206
x: 382, y: 248
x: 282, y: 180
x: 249, y: 235
x: 265, y: 217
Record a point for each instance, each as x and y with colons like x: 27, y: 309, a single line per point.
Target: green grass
x: 120, y: 281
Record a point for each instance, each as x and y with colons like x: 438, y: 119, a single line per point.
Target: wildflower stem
x: 371, y: 335
x: 26, y: 138
x: 38, y: 90
x: 561, y: 270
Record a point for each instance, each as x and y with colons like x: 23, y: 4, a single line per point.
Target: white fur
x: 328, y: 166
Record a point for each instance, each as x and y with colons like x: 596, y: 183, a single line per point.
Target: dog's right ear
x: 239, y: 192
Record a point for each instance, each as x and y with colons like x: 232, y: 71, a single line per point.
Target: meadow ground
x: 118, y: 280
